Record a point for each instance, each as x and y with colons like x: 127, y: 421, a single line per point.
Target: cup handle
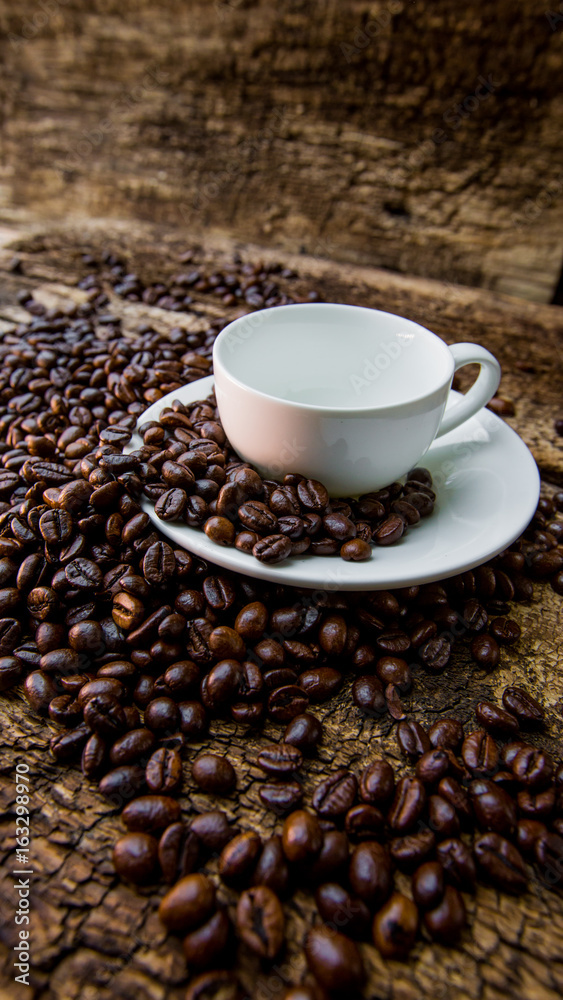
x: 482, y: 390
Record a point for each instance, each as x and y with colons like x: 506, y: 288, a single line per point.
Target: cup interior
x: 334, y: 356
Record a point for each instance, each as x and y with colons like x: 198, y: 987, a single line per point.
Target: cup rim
x: 341, y: 411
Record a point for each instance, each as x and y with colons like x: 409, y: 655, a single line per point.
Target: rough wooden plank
x: 415, y: 136
x: 96, y: 938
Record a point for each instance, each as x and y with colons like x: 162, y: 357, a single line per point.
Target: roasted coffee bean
x: 105, y: 716
x: 171, y: 505
x: 271, y: 868
x: 217, y: 985
x: 128, y: 611
x: 333, y: 635
x: 335, y: 795
x: 409, y: 852
x: 66, y: 661
x: 527, y: 710
x: 432, y: 766
x: 287, y: 702
x: 164, y: 771
x: 510, y: 750
x: 214, y: 775
x: 532, y: 768
x: 133, y: 746
x: 500, y: 862
x: 527, y: 833
x: 339, y: 527
x: 446, y: 733
x: 458, y: 864
x: 494, y: 809
x: 320, y: 683
x: 135, y: 857
x: 505, y: 631
x: 334, y: 960
x: 94, y: 756
x: 304, y: 732
x: 548, y: 851
x: 301, y: 836
x: 485, y: 651
x: 446, y: 921
x: 280, y: 759
x: 364, y: 822
x: 193, y: 720
x: 538, y: 806
x: 356, y: 550
x: 251, y: 621
x: 188, y: 904
x: 377, y: 783
x: 456, y: 795
x: 332, y: 860
x: 367, y: 693
x: 496, y: 720
x: 312, y: 495
x: 474, y: 616
x: 69, y: 745
x: 412, y: 739
x: 182, y: 678
x: 83, y: 574
x: 394, y: 670
x: 370, y: 872
x: 178, y: 852
x: 213, y: 830
x: 544, y: 564
x: 220, y: 530
x: 238, y: 857
x: 479, y: 753
x: 272, y: 549
x: 428, y: 885
x: 435, y: 654
x: 65, y: 710
x: 341, y: 910
x: 394, y: 643
x: 390, y: 530
x: 150, y: 812
x: 408, y: 804
x: 11, y: 672
x: 206, y: 946
x: 395, y: 927
x: 162, y: 715
x: 260, y: 921
x: 219, y: 593
x: 281, y: 796
x: 159, y: 563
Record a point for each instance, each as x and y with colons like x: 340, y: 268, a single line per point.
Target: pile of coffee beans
x: 130, y: 647
x: 193, y: 476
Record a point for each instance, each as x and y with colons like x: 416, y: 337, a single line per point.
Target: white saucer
x: 487, y: 484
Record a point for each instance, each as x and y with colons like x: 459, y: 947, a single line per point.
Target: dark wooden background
x: 311, y: 125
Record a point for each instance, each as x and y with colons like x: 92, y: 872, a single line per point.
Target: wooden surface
x: 315, y: 124
x: 96, y: 939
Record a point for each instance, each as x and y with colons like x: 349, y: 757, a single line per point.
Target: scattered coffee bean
x: 395, y: 927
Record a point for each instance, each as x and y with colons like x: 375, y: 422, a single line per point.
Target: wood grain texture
x: 418, y: 136
x: 95, y: 938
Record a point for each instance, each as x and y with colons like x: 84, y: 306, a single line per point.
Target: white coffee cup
x: 350, y: 396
